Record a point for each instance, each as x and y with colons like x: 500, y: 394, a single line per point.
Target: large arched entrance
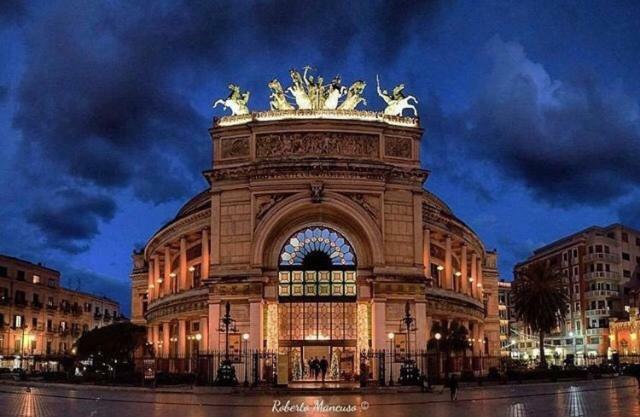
x: 317, y: 303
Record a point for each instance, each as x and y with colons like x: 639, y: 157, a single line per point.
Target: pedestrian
x: 316, y: 368
x: 324, y: 365
x: 310, y: 364
x: 453, y: 386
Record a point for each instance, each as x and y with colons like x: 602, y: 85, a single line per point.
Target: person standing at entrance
x: 315, y: 365
x: 453, y: 386
x: 324, y: 365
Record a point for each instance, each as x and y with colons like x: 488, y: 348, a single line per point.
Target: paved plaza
x: 617, y: 397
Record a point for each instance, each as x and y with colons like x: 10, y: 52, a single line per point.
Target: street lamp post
x: 245, y: 337
x: 438, y: 336
x: 391, y: 335
x: 226, y: 371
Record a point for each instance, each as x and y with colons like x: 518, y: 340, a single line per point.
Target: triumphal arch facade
x: 317, y: 229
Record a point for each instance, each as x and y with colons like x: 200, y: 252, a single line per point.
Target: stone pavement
x: 615, y: 398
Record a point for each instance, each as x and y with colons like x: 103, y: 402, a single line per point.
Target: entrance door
x: 317, y: 301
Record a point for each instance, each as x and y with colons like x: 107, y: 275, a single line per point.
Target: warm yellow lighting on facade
x: 272, y: 326
x: 440, y: 268
x: 363, y: 327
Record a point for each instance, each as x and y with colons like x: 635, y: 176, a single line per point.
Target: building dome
x: 319, y: 234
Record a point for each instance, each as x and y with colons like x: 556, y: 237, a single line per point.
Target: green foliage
x: 540, y: 301
x: 111, y: 344
x: 454, y: 337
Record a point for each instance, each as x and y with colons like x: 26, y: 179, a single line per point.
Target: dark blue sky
x: 531, y: 111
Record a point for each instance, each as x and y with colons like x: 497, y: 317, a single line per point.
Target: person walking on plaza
x: 453, y: 386
x: 324, y: 365
x: 315, y: 365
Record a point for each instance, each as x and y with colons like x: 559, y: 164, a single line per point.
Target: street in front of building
x: 607, y: 397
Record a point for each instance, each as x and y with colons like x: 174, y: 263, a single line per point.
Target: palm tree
x: 453, y: 339
x: 540, y: 300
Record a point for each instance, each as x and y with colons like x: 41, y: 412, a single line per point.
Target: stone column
x: 426, y: 258
x: 480, y: 278
x: 166, y: 284
x: 156, y: 275
x: 256, y: 319
x: 214, y: 324
x: 464, y: 277
x: 166, y: 343
x: 151, y: 337
x: 182, y: 338
x: 150, y: 284
x: 204, y: 331
x: 206, y: 259
x: 378, y: 325
x: 183, y: 265
x: 448, y: 276
x: 474, y: 274
x: 422, y: 330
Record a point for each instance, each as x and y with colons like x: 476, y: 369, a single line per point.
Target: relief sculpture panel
x: 316, y: 143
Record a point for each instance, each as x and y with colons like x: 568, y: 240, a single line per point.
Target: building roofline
x: 29, y: 263
x: 543, y: 250
x: 94, y: 296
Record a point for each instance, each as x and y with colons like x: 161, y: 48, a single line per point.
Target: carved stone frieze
x: 398, y: 146
x: 234, y: 147
x: 316, y: 144
x: 266, y: 203
x: 238, y: 289
x: 365, y: 202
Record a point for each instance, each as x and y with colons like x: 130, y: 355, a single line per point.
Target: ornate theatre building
x: 317, y: 230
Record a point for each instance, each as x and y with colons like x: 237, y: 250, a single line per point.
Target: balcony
x: 597, y: 331
x: 603, y: 312
x: 5, y: 301
x: 52, y: 307
x: 602, y: 293
x: 607, y: 257
x: 20, y: 303
x: 603, y: 275
x: 97, y: 315
x: 76, y: 311
x: 107, y: 317
x: 36, y: 305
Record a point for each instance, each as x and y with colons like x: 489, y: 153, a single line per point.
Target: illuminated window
x: 321, y: 240
x: 36, y: 279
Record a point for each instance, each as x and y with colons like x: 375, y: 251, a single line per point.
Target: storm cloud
x: 107, y: 94
x: 568, y: 142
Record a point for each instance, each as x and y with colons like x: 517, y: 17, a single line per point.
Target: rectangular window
x: 638, y: 241
x: 625, y: 237
x: 52, y: 283
x: 34, y: 323
x: 36, y: 279
x: 626, y: 274
x: 18, y: 321
x: 3, y: 271
x: 626, y: 256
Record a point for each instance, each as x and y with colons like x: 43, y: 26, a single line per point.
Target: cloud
x: 629, y: 214
x: 70, y: 218
x: 12, y: 10
x: 570, y: 143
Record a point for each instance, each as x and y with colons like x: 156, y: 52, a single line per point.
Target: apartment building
x: 597, y: 265
x: 39, y: 319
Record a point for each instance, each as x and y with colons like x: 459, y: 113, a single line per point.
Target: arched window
x: 318, y: 244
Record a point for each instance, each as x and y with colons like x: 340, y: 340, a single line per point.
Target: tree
x: 114, y: 345
x: 540, y: 300
x: 454, y: 337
